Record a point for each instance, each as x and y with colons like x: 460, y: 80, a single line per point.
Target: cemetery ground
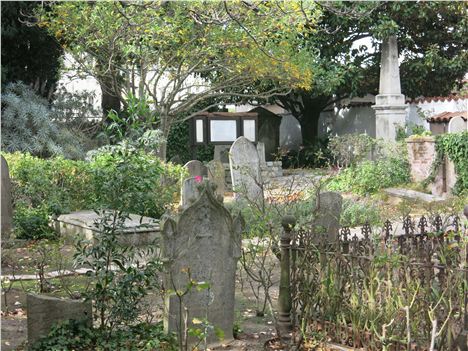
x: 254, y: 328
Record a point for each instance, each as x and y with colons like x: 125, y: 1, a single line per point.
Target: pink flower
x: 198, y: 179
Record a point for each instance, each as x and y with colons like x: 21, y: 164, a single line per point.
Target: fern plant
x: 28, y: 126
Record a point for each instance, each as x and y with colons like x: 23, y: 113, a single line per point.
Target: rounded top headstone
x: 456, y: 125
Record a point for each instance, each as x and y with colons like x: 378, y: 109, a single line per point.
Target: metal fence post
x: 284, y: 299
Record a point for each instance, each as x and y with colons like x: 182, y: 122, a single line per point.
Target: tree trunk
x: 165, y: 127
x: 109, y: 102
x: 311, y: 109
x: 309, y: 127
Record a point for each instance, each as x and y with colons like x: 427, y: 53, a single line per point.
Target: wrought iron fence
x: 402, y: 285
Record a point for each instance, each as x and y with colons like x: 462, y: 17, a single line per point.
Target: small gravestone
x: 327, y: 221
x: 45, y: 311
x: 221, y: 153
x: 196, y: 168
x: 7, y: 209
x: 245, y: 170
x: 216, y: 175
x: 457, y: 125
x: 261, y: 152
x: 190, y: 191
x: 202, y: 246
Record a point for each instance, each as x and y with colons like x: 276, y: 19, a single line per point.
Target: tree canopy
x: 29, y: 53
x: 179, y: 54
x: 432, y: 40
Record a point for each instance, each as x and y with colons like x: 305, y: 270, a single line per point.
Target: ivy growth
x: 453, y: 146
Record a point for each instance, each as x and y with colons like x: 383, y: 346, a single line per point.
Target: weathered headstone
x: 7, y: 209
x: 196, y: 168
x: 202, y: 246
x: 45, y: 311
x: 221, y: 153
x: 457, y: 125
x: 245, y: 170
x: 190, y: 191
x: 327, y: 221
x: 216, y: 175
x: 261, y: 152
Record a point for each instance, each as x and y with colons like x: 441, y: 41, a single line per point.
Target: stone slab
x: 137, y: 231
x: 413, y: 195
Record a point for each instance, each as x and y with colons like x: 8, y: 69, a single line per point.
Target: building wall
x: 353, y: 120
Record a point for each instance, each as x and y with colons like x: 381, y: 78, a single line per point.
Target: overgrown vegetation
x: 381, y: 294
x: 78, y: 336
x: 120, y: 177
x: 370, y: 176
x: 358, y: 212
x: 453, y: 146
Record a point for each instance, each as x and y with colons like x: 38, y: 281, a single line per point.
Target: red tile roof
x: 453, y: 97
x: 444, y: 117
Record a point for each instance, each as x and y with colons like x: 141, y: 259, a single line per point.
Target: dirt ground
x: 255, y: 331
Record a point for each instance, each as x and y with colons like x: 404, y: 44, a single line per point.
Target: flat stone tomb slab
x: 137, y: 231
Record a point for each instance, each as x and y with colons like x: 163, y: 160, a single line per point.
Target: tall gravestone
x: 245, y: 170
x: 221, y: 153
x: 216, y: 175
x: 328, y: 214
x: 203, y: 246
x: 261, y: 152
x: 7, y: 207
x: 190, y: 191
x: 196, y: 168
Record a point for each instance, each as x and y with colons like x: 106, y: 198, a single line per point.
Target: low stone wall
x: 269, y: 170
x: 44, y: 311
x: 421, y: 155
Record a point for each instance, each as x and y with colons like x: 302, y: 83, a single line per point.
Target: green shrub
x: 455, y: 147
x: 356, y: 213
x: 368, y: 177
x: 32, y: 223
x: 349, y: 149
x: 77, y: 336
x: 132, y: 181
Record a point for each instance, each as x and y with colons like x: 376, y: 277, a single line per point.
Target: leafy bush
x: 120, y: 282
x: 356, y: 213
x: 311, y: 156
x: 178, y: 143
x: 28, y: 126
x: 455, y: 147
x: 73, y: 335
x: 369, y: 177
x: 138, y: 182
x: 349, y: 149
x: 32, y: 223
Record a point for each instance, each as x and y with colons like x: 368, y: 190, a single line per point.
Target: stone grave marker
x: 203, y: 245
x: 245, y: 170
x: 190, y: 191
x: 221, y: 153
x: 196, y: 168
x: 7, y: 207
x: 329, y: 205
x: 44, y: 311
x: 216, y: 175
x: 457, y: 125
x: 261, y: 152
